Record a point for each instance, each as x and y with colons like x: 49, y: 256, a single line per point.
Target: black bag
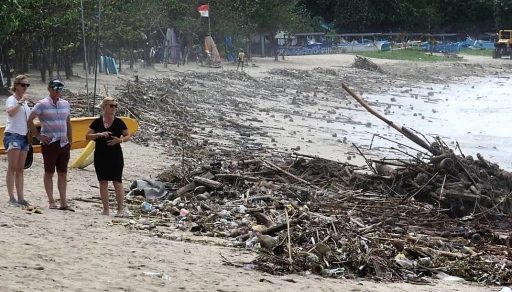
x: 30, y: 156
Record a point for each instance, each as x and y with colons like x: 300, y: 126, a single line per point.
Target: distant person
x: 241, y: 59
x: 15, y: 139
x: 55, y: 137
x: 109, y: 132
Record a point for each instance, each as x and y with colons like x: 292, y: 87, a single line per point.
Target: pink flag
x: 203, y: 9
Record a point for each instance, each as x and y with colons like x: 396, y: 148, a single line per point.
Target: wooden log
x: 436, y: 159
x: 385, y: 170
x: 238, y: 177
x: 482, y: 160
x: 447, y: 164
x: 263, y: 219
x: 187, y: 188
x: 272, y: 229
x: 451, y: 194
x: 211, y: 184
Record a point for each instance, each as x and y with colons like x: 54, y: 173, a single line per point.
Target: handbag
x: 30, y: 153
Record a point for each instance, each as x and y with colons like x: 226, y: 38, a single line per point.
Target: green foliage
x: 9, y: 18
x: 502, y: 13
x: 408, y: 15
x: 486, y: 53
x: 406, y: 55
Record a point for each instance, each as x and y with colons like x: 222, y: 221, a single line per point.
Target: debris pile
x: 395, y: 220
x: 305, y: 215
x: 366, y: 64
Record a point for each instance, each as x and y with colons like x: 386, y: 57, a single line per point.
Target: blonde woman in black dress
x: 109, y: 131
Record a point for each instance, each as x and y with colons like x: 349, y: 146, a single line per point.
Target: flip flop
x: 53, y: 207
x: 66, y: 208
x: 24, y: 203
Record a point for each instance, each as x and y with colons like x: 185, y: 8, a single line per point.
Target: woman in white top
x: 15, y: 138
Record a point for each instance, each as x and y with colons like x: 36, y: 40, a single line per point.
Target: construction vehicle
x: 503, y: 46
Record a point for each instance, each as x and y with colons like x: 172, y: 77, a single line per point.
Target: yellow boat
x: 80, y: 127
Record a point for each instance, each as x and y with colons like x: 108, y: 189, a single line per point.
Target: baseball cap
x: 55, y: 82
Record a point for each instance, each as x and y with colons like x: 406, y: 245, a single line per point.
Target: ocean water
x: 475, y: 112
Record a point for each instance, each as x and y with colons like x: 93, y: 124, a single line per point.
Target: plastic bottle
x: 147, y: 206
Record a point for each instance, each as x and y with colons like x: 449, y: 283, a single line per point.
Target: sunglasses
x: 24, y: 84
x: 58, y: 88
x: 112, y: 105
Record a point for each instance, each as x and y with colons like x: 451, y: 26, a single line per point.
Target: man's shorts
x: 15, y: 141
x: 55, y: 157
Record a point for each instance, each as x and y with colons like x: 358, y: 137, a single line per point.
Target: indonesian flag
x: 203, y: 9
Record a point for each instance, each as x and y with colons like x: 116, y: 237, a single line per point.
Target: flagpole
x: 97, y: 57
x: 85, y: 60
x: 209, y: 25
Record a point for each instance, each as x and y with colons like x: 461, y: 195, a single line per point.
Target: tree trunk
x: 120, y: 58
x: 5, y: 60
x: 42, y: 58
x: 68, y: 64
x: 26, y: 61
x: 50, y: 58
x: 274, y: 47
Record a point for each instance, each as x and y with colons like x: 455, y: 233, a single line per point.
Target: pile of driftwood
x: 366, y: 64
x: 303, y: 214
x: 434, y: 215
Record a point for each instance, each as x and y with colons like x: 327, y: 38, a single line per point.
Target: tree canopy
x: 47, y: 35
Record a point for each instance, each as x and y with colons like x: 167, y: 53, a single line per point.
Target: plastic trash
x: 446, y: 277
x: 147, y: 206
x: 151, y: 189
x: 159, y: 275
x: 225, y: 213
x: 403, y: 261
x: 333, y: 272
x: 242, y: 209
x: 506, y: 289
x: 183, y: 212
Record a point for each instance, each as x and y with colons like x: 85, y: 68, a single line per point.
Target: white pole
x: 85, y: 59
x: 209, y: 26
x: 97, y: 57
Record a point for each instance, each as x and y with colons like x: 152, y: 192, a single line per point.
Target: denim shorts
x: 15, y: 141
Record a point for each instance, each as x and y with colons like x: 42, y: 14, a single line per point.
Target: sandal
x: 24, y: 203
x: 66, y: 208
x: 13, y: 203
x: 53, y: 207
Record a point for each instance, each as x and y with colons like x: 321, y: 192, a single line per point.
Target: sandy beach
x: 85, y: 251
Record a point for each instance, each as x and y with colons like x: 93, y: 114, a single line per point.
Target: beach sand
x: 85, y: 251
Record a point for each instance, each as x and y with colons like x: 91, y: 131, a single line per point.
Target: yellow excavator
x: 503, y: 46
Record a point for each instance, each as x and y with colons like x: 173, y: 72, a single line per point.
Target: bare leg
x: 12, y: 164
x: 118, y: 186
x: 19, y: 176
x: 61, y: 185
x: 48, y: 187
x: 104, y: 196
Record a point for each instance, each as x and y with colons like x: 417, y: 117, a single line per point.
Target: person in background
x: 15, y: 139
x: 54, y: 113
x: 109, y: 132
x: 241, y: 59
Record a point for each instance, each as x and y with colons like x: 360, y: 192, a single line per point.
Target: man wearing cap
x: 55, y: 137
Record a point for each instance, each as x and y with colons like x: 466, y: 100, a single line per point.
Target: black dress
x: 108, y: 160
